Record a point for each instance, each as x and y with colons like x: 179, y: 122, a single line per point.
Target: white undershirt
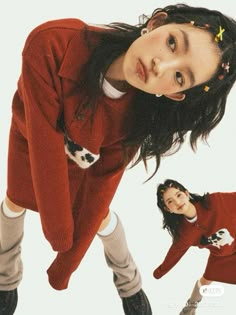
x: 110, y: 91
x: 194, y: 219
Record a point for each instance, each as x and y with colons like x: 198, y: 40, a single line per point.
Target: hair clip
x: 206, y: 88
x: 162, y: 191
x: 225, y: 66
x: 221, y: 77
x: 143, y: 19
x: 219, y: 35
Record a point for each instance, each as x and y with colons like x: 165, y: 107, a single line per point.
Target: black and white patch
x: 218, y: 239
x: 80, y: 155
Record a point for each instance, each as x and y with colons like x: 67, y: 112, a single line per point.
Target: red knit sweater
x: 71, y: 198
x: 215, y: 229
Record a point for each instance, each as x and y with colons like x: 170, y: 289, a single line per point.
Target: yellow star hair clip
x: 219, y: 35
x: 206, y: 88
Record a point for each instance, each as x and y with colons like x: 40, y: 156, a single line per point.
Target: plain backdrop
x: 212, y: 168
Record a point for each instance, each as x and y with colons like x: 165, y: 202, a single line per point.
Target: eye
x: 179, y: 78
x: 172, y: 43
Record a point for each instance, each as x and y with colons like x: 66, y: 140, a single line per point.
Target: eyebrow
x: 186, y: 49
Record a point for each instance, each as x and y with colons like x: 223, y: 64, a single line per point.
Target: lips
x: 141, y: 71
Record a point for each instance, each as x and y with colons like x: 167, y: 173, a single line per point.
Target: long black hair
x: 172, y: 221
x: 160, y: 125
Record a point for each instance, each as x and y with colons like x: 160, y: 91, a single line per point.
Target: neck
x: 192, y: 212
x: 120, y: 85
x: 115, y: 76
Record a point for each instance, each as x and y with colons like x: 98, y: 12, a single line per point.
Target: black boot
x: 137, y: 304
x: 8, y: 302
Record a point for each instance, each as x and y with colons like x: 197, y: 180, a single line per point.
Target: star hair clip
x: 206, y: 88
x: 219, y: 35
x: 225, y: 66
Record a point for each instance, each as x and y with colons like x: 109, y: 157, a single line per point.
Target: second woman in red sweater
x: 207, y: 221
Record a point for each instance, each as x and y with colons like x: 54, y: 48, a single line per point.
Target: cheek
x: 150, y: 45
x: 186, y: 200
x: 157, y: 42
x: 170, y: 207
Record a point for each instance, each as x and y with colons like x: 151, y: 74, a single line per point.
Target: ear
x: 157, y: 20
x: 187, y: 193
x: 176, y: 96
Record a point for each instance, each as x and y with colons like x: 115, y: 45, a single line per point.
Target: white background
x: 212, y: 168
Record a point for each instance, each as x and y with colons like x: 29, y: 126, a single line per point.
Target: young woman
x: 207, y: 221
x: 88, y: 99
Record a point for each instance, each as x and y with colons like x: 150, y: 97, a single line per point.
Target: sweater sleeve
x: 93, y: 201
x: 175, y: 253
x: 100, y: 186
x: 48, y: 161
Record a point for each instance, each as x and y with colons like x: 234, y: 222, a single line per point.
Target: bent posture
x: 89, y: 98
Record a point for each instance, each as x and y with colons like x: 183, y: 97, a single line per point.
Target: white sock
x: 9, y: 213
x: 111, y: 225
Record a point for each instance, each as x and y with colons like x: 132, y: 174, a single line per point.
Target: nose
x: 155, y: 66
x: 158, y: 66
x: 177, y: 201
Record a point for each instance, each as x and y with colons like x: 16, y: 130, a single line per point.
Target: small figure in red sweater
x: 89, y: 97
x: 207, y: 221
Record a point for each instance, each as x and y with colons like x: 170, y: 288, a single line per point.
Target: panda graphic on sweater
x: 218, y: 239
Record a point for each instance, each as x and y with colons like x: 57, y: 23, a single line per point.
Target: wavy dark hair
x: 160, y: 125
x: 172, y: 221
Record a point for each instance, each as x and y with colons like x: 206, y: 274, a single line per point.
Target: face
x: 176, y: 201
x: 171, y: 58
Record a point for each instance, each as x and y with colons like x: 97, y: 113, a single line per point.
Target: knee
x: 12, y: 206
x: 204, y: 281
x: 105, y: 222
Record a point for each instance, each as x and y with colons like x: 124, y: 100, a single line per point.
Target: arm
x: 48, y: 161
x: 175, y: 253
x: 98, y: 189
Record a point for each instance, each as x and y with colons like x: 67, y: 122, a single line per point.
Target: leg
x: 204, y: 281
x: 126, y: 276
x: 195, y: 297
x: 11, y: 234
